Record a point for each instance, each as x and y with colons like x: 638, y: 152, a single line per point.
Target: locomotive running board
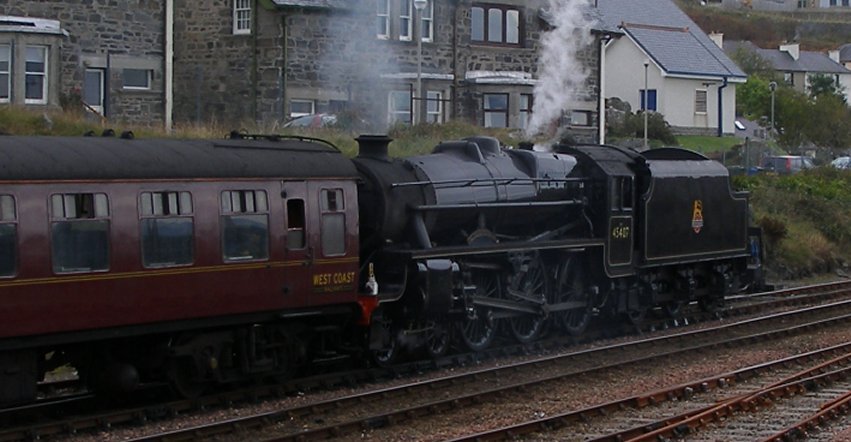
x: 515, y: 246
x: 504, y: 304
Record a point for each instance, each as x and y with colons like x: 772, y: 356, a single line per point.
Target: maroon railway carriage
x: 186, y: 261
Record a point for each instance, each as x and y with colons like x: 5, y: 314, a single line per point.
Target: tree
x: 753, y: 99
x: 825, y: 84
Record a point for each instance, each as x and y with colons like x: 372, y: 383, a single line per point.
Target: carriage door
x: 621, y: 232
x: 296, y: 245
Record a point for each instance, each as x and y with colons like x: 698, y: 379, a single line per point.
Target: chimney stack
x: 373, y: 146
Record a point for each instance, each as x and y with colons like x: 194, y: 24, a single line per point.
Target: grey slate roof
x: 808, y: 61
x: 669, y: 37
x: 845, y: 53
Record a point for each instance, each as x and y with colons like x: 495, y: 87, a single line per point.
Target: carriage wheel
x: 636, y: 316
x: 437, y: 342
x: 478, y: 327
x: 571, y: 288
x: 184, y: 379
x: 533, y: 284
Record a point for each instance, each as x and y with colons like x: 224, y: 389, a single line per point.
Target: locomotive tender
x: 214, y: 261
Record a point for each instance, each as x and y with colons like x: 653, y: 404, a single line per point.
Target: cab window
x: 245, y: 225
x: 79, y: 232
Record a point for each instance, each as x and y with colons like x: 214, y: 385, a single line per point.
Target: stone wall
x: 128, y: 33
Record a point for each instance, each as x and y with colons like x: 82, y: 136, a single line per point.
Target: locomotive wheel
x: 437, y: 343
x: 711, y: 304
x: 533, y: 284
x: 673, y: 309
x: 571, y: 288
x: 387, y: 356
x: 479, y: 327
x: 636, y: 316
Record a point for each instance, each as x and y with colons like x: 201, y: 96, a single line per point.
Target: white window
x: 427, y: 22
x: 434, y: 107
x: 496, y: 110
x: 399, y: 107
x: 382, y: 19
x: 36, y: 75
x: 241, y: 16
x: 93, y: 89
x: 700, y: 101
x: 138, y: 79
x: 495, y: 24
x: 300, y: 108
x: 525, y: 110
x: 405, y: 10
x: 5, y: 73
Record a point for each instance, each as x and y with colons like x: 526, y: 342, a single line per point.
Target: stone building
x: 241, y: 61
x: 101, y: 52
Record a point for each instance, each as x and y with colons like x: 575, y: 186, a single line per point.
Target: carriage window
x: 333, y: 222
x: 245, y: 225
x: 79, y: 232
x: 8, y: 236
x: 167, y: 228
x: 295, y: 224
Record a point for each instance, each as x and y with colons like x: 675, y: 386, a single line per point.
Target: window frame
x: 45, y: 51
x: 241, y: 22
x: 382, y: 15
x: 182, y: 213
x: 697, y: 101
x: 226, y: 213
x: 406, y: 20
x: 504, y: 111
x: 149, y: 76
x: 504, y: 29
x: 7, y: 73
x: 524, y: 114
x: 326, y: 212
x: 392, y: 112
x: 13, y: 222
x: 645, y: 102
x: 427, y: 22
x: 434, y: 116
x: 312, y: 104
x: 75, y: 218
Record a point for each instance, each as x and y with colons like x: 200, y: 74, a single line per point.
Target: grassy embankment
x: 805, y: 216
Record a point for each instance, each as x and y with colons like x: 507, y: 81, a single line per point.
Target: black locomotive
x: 485, y: 239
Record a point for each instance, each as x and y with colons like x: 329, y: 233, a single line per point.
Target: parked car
x: 786, y: 164
x: 841, y: 163
x: 313, y: 121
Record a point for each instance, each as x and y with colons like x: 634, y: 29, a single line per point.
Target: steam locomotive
x: 202, y: 262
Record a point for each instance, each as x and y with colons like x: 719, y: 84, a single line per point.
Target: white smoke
x: 562, y: 75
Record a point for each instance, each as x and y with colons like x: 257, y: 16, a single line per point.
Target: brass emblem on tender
x: 697, y: 216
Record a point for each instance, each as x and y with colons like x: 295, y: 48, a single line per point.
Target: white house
x: 688, y: 77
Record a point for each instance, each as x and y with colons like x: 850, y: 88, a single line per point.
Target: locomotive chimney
x: 373, y: 146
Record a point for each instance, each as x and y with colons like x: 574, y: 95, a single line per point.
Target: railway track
x: 357, y: 413
x: 776, y: 401
x: 740, y: 306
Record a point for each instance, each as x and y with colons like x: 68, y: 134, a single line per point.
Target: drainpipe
x: 721, y: 108
x: 282, y: 81
x: 169, y: 65
x: 254, y: 61
x: 605, y: 41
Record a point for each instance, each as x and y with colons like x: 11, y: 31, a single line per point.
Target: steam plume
x: 562, y: 74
